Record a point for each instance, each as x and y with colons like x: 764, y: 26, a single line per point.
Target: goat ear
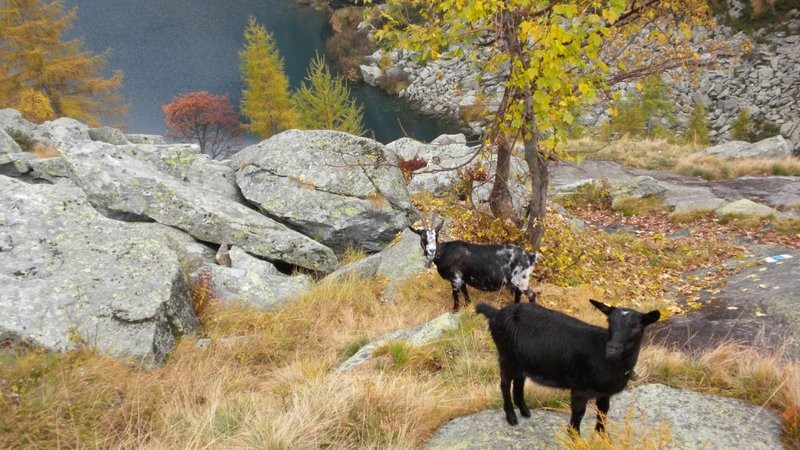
x: 419, y: 232
x: 439, y: 227
x: 605, y: 309
x: 651, y: 317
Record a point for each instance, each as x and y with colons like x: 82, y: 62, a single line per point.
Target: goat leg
x: 467, y: 300
x: 519, y: 396
x: 531, y: 295
x: 603, y: 404
x: 505, y: 389
x: 455, y: 297
x: 578, y: 400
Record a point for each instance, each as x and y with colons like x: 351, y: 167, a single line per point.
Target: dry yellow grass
x: 641, y: 153
x: 279, y: 387
x: 44, y: 150
x: 712, y: 168
x: 660, y: 154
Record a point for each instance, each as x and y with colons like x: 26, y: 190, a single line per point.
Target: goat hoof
x: 525, y: 412
x: 512, y: 419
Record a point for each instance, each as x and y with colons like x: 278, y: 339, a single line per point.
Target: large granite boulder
x: 340, y: 189
x: 129, y: 188
x: 71, y: 276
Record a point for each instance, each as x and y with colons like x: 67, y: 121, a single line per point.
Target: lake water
x: 166, y: 48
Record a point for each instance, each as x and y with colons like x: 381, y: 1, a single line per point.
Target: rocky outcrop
x: 340, y: 189
x: 71, y: 276
x: 94, y: 242
x: 122, y: 186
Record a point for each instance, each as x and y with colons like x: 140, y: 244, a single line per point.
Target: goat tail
x: 486, y: 310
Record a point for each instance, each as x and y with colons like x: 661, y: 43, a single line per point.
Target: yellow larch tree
x: 44, y: 76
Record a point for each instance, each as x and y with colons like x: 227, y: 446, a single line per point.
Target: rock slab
x: 688, y: 420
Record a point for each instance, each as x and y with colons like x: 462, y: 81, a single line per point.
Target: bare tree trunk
x: 537, y: 167
x: 500, y: 197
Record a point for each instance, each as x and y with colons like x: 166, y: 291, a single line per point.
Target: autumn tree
x: 45, y: 77
x: 206, y: 119
x: 323, y: 101
x: 554, y: 56
x: 266, y: 101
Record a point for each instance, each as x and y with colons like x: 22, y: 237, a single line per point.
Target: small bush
x: 23, y: 139
x: 698, y: 128
x: 740, y: 128
x: 409, y: 166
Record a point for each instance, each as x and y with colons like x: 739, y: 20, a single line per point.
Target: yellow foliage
x: 35, y: 106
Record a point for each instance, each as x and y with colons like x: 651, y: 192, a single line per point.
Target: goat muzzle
x: 613, y: 351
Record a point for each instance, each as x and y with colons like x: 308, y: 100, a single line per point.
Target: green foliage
x: 698, y: 128
x: 745, y: 128
x: 647, y: 113
x: 266, y: 101
x: 740, y: 128
x: 354, y: 347
x: 323, y: 102
x: 25, y: 141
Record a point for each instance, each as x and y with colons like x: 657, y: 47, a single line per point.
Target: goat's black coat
x: 559, y: 351
x: 488, y: 267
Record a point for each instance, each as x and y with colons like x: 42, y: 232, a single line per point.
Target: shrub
x: 409, y: 166
x: 740, y: 128
x: 23, y: 139
x: 698, y: 128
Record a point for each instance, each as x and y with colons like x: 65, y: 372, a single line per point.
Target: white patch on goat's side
x: 504, y: 253
x: 625, y: 313
x: 521, y: 278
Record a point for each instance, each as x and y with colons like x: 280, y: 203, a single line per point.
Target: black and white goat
x: 559, y: 351
x: 483, y: 266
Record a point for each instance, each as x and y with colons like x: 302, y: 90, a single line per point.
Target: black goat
x: 483, y: 266
x: 559, y: 351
